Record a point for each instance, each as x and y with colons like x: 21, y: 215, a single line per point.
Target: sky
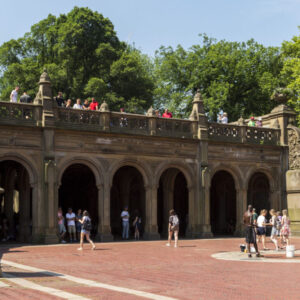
x: 149, y: 24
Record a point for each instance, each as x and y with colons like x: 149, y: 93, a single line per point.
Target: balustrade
x: 174, y: 127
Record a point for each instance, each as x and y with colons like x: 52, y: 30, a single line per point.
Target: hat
x: 252, y: 118
x: 260, y: 119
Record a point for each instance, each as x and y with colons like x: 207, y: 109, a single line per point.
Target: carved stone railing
x: 174, y: 127
x: 20, y: 113
x: 243, y: 134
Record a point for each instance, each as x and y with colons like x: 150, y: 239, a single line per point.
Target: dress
x: 285, y: 230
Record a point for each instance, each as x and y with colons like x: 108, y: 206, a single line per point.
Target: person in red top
x: 167, y: 114
x: 94, y: 104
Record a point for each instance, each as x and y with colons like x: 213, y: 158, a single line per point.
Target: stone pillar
x: 293, y: 199
x: 151, y: 229
x: 168, y: 204
x: 104, y: 230
x: 241, y: 207
x: 38, y: 211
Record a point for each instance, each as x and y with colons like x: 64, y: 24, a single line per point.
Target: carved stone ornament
x: 45, y: 92
x: 198, y: 107
x: 241, y: 121
x: 275, y: 124
x: 104, y: 107
x: 294, y: 147
x: 150, y: 112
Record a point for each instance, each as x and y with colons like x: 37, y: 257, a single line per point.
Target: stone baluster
x: 152, y: 121
x: 105, y: 116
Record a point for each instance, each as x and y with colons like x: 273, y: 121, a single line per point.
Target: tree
x: 291, y: 72
x: 236, y: 77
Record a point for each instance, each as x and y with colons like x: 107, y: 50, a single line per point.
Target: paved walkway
x: 198, y: 269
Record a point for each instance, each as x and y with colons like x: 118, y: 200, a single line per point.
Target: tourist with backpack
x: 86, y: 227
x: 173, y: 228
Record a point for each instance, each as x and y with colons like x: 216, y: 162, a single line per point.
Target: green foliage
x: 83, y: 56
x: 291, y: 72
x: 236, y: 77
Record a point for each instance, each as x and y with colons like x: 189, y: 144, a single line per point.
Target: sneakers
x: 63, y: 242
x: 249, y: 255
x: 168, y: 244
x: 94, y: 247
x: 80, y: 249
x: 175, y: 246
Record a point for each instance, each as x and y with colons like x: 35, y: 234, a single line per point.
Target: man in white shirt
x: 224, y: 119
x: 14, y: 95
x: 77, y: 105
x: 70, y: 217
x: 125, y: 222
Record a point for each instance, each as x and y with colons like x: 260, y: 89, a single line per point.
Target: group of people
x: 255, y: 123
x: 79, y: 226
x: 256, y: 228
x: 137, y: 224
x: 25, y: 98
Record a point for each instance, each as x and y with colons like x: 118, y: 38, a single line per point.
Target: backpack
x: 87, y: 225
x: 175, y: 221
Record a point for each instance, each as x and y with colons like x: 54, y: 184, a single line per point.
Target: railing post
x: 152, y: 121
x: 243, y: 134
x: 37, y: 111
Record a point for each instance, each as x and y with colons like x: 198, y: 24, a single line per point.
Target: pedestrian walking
x: 261, y: 228
x: 173, y: 228
x: 137, y: 224
x: 78, y: 224
x: 70, y: 216
x: 61, y: 225
x: 285, y: 224
x: 125, y: 223
x: 274, y: 232
x: 86, y: 230
x: 250, y: 233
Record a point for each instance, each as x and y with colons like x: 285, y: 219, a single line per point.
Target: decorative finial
x: 150, y: 112
x: 104, y: 106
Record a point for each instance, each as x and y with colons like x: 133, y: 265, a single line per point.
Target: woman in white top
x: 261, y: 228
x: 77, y: 105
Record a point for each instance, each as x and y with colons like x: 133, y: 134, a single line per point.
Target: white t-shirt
x: 260, y: 221
x: 77, y: 106
x: 70, y: 216
x: 224, y: 120
x: 14, y: 96
x: 125, y: 216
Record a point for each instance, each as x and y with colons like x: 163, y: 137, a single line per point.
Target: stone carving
x: 294, y: 147
x: 45, y: 92
x: 104, y: 107
x: 198, y: 107
x: 150, y: 112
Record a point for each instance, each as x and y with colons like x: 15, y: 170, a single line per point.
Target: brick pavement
x: 188, y: 272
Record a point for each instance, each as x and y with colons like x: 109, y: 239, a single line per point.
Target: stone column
x: 104, y: 230
x: 241, y: 207
x: 168, y: 203
x: 38, y: 212
x: 293, y: 199
x: 151, y: 229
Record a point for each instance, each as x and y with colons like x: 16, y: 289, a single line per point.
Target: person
x: 261, y: 228
x: 70, y: 216
x: 77, y: 105
x: 14, y: 94
x: 173, y: 228
x: 123, y: 120
x: 137, y: 224
x: 69, y: 103
x: 25, y: 98
x: 224, y: 118
x: 157, y: 114
x: 255, y: 215
x: 86, y: 230
x: 125, y: 223
x: 86, y: 105
x: 61, y: 225
x: 167, y: 114
x: 274, y: 231
x: 94, y: 104
x: 251, y: 122
x: 59, y: 99
x: 258, y: 123
x: 250, y: 224
x: 77, y: 223
x: 285, y: 227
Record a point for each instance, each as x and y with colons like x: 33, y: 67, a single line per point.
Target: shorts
x: 174, y: 228
x: 275, y: 231
x: 71, y: 229
x: 261, y: 231
x: 61, y: 228
x: 85, y: 231
x: 250, y: 235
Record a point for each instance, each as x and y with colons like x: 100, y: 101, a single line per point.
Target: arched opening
x: 259, y: 192
x: 172, y: 194
x: 127, y: 190
x: 223, y: 204
x: 15, y: 202
x: 78, y: 190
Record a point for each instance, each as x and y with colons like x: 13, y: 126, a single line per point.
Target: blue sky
x: 152, y: 23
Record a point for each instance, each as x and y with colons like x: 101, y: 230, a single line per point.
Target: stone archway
x: 172, y: 194
x: 127, y: 190
x: 223, y: 204
x: 259, y: 192
x: 16, y: 202
x: 78, y: 190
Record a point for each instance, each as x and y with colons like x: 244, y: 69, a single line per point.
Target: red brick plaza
x: 147, y: 270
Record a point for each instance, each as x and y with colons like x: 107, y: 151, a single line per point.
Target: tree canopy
x: 85, y: 58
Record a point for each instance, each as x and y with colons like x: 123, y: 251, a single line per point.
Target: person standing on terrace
x: 224, y: 118
x: 251, y: 123
x: 59, y: 99
x: 259, y: 122
x: 167, y: 114
x: 94, y: 104
x: 77, y: 105
x: 14, y: 95
x: 86, y: 104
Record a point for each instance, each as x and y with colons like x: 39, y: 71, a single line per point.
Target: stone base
x: 104, y: 237
x: 151, y: 236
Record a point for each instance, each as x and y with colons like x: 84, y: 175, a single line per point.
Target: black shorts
x: 261, y: 231
x: 250, y: 235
